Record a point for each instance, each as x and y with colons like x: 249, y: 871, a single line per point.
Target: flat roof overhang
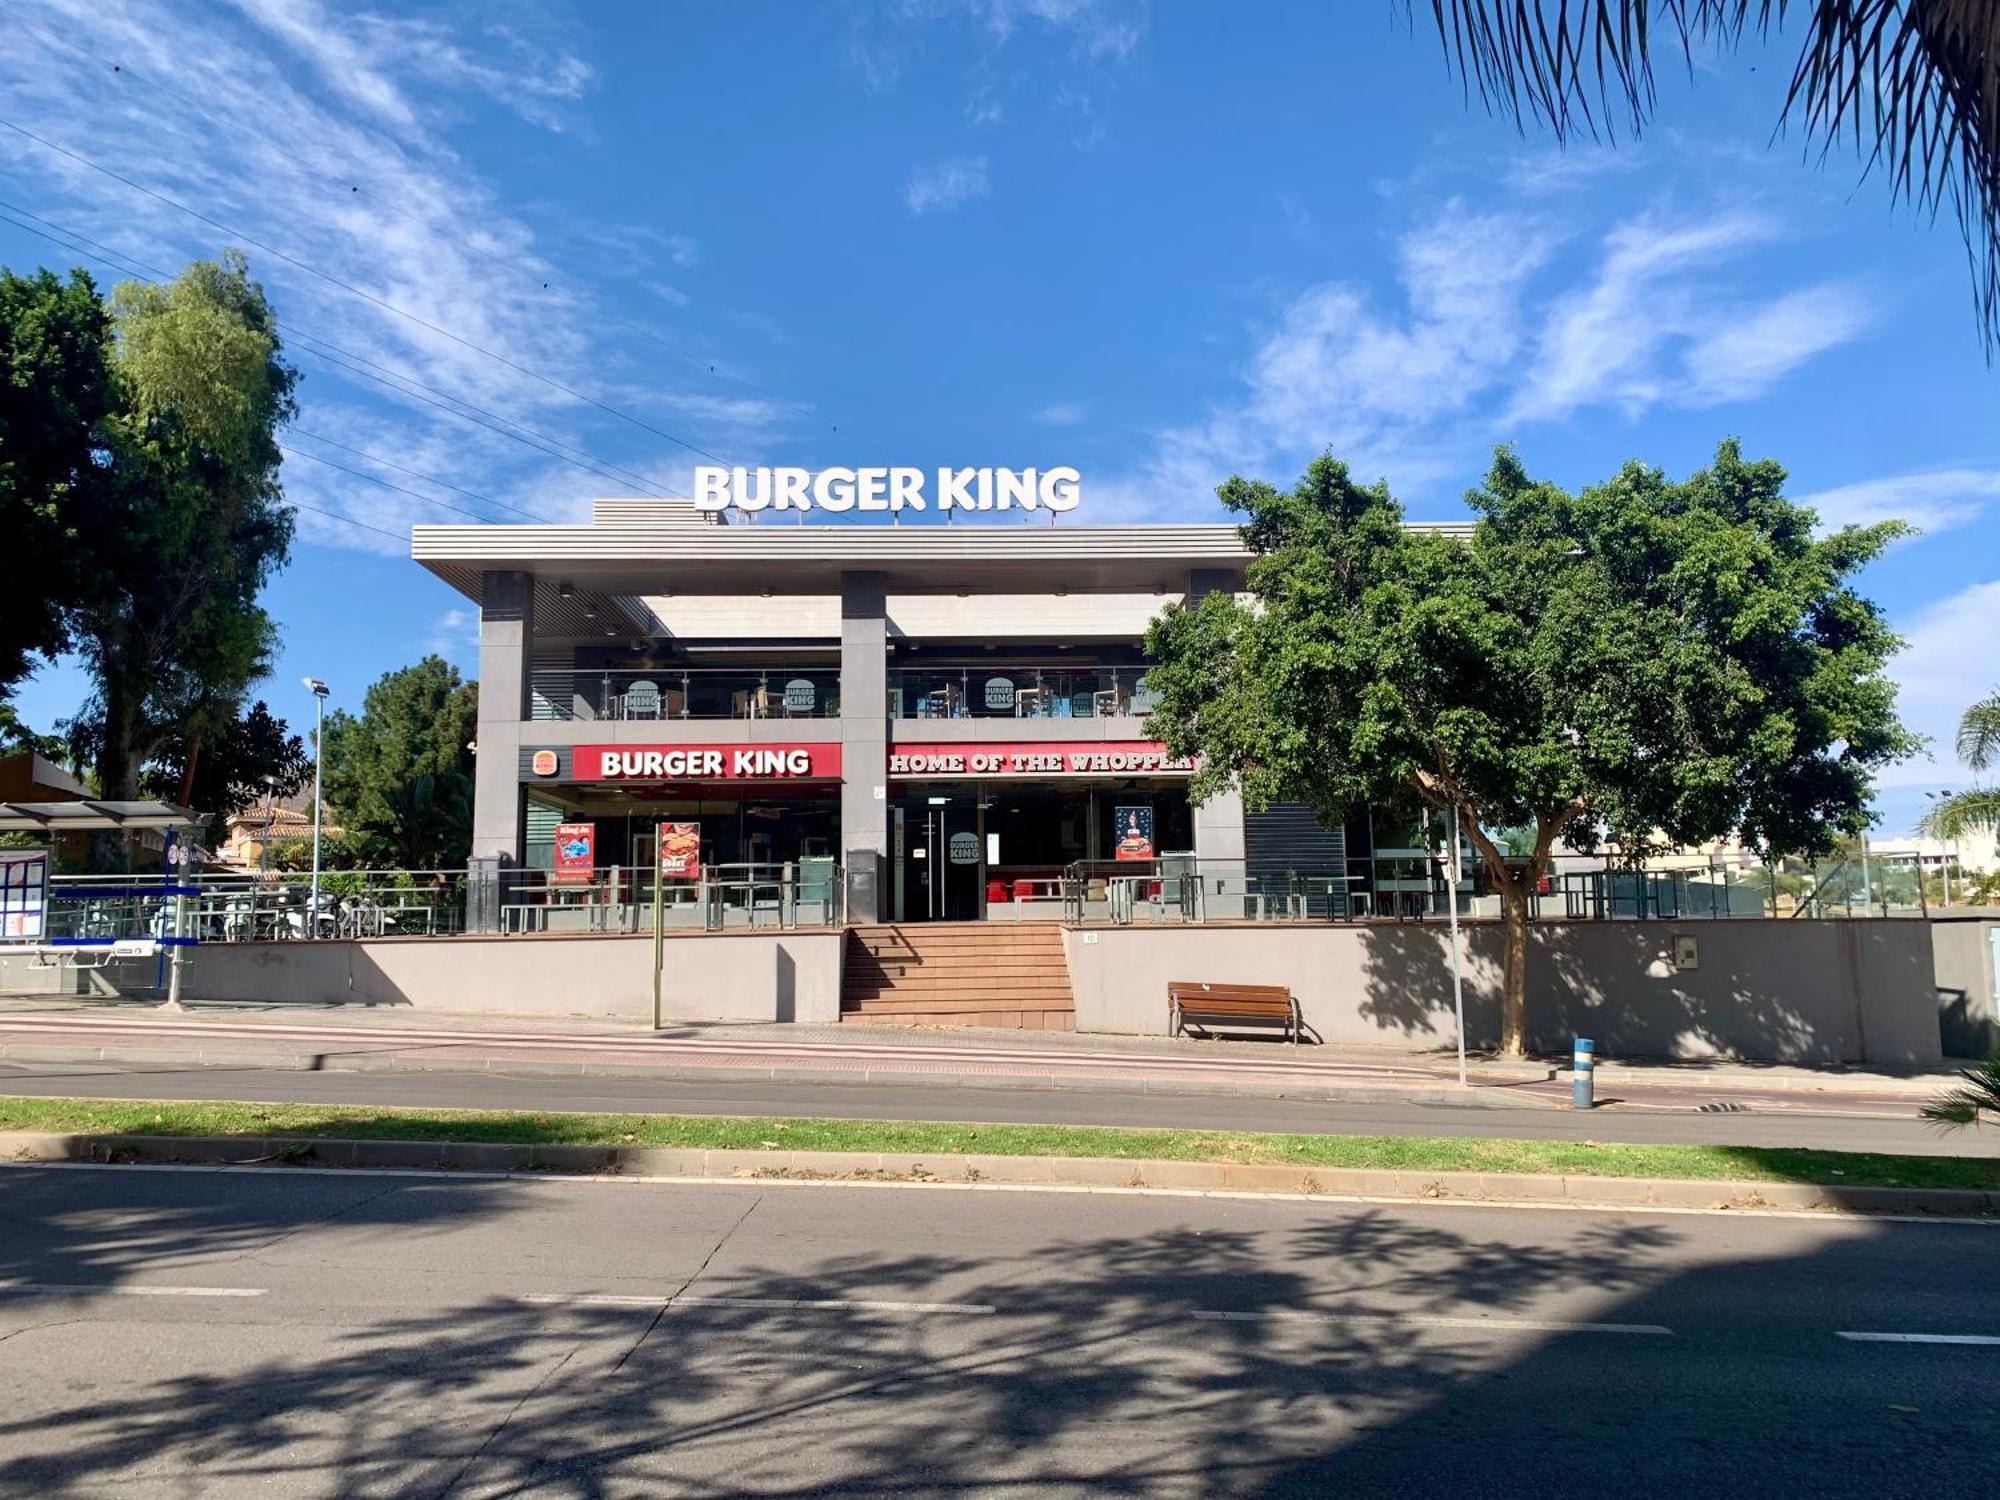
x: 86, y: 816
x: 782, y: 559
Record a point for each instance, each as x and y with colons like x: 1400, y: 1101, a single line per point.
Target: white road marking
x: 1919, y: 1338
x: 1425, y: 1320
x: 56, y: 1289
x: 761, y: 1304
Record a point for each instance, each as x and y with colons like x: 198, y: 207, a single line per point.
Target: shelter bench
x: 1231, y: 1005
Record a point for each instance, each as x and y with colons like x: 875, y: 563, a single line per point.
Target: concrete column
x: 506, y: 636
x: 864, y: 743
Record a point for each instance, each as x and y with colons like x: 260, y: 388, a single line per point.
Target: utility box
x: 485, y: 891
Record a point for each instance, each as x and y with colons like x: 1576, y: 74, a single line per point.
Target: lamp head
x: 314, y: 686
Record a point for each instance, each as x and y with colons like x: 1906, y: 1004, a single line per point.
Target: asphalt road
x: 173, y: 1332
x: 967, y: 1101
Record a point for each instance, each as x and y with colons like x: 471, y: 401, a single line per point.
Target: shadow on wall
x: 1784, y: 992
x: 1103, y: 1369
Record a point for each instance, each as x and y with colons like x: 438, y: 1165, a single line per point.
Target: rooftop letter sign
x: 891, y: 489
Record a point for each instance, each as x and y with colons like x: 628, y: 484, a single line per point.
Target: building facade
x: 948, y: 716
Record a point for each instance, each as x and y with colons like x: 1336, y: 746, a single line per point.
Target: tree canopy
x: 55, y: 389
x: 186, y: 524
x: 399, y: 775
x: 1644, y: 658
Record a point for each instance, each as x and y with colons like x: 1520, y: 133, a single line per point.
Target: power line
x: 386, y: 484
x: 126, y: 72
x: 394, y: 536
x: 416, y: 474
x: 366, y: 296
x: 363, y: 367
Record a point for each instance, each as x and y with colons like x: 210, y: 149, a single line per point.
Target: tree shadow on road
x: 1207, y: 1348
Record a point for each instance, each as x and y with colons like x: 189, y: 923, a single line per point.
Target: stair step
x: 958, y: 974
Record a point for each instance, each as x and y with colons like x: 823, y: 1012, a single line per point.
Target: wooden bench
x: 1231, y: 1005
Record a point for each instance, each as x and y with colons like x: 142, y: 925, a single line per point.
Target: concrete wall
x: 737, y: 976
x: 1968, y: 988
x: 1780, y: 991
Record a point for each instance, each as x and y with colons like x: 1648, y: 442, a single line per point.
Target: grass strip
x: 1409, y: 1153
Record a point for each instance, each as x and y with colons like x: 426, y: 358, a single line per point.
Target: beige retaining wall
x: 735, y: 976
x: 1968, y: 986
x: 1781, y: 991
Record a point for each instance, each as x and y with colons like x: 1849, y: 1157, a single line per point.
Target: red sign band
x: 1036, y: 758
x: 814, y: 762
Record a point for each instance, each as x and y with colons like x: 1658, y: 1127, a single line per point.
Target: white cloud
x: 1932, y: 501
x: 1650, y: 327
x: 454, y: 635
x: 1476, y: 343
x: 1947, y: 662
x: 324, y: 136
x: 946, y: 185
x: 1062, y: 414
x: 1338, y: 369
x: 1099, y: 29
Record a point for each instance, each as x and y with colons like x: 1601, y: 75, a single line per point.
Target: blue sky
x: 1158, y: 243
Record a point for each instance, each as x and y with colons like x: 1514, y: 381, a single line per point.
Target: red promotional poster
x: 680, y: 851
x: 576, y: 853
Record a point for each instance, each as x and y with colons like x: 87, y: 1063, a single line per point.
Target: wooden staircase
x: 958, y: 974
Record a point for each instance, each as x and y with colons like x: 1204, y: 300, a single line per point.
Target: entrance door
x: 943, y: 860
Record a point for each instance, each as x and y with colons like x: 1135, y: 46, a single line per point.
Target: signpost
x: 678, y: 857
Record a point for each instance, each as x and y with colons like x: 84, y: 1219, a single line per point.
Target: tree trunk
x: 117, y: 768
x: 1514, y: 968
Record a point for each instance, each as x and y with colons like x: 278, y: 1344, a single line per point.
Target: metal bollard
x: 1583, y: 1064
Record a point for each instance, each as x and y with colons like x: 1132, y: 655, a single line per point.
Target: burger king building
x: 933, y: 720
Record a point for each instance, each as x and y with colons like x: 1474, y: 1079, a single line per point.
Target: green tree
x: 1643, y: 658
x: 1914, y: 85
x: 188, y: 523
x: 55, y: 391
x: 1976, y: 810
x: 231, y: 774
x: 399, y: 775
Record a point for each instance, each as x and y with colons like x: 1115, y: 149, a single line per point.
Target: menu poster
x: 1135, y: 833
x: 576, y: 853
x: 680, y: 851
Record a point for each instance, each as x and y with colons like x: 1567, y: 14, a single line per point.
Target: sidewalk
x: 375, y: 1038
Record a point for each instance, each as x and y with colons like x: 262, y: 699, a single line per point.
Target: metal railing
x: 279, y: 906
x: 1012, y: 691
x: 805, y: 893
x: 665, y: 693
x: 1182, y: 888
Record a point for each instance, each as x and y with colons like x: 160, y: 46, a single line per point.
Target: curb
x: 391, y: 1060
x: 29, y: 1147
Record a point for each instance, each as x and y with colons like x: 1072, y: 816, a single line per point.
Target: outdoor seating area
x: 1018, y: 692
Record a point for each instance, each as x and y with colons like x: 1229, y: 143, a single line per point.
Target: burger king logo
x: 545, y: 763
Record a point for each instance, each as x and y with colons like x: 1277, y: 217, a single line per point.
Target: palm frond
x: 1979, y: 733
x: 1975, y: 810
x: 1914, y: 84
x: 1978, y: 1095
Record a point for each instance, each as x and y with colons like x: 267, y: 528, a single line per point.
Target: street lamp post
x: 318, y: 690
x: 1947, y: 852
